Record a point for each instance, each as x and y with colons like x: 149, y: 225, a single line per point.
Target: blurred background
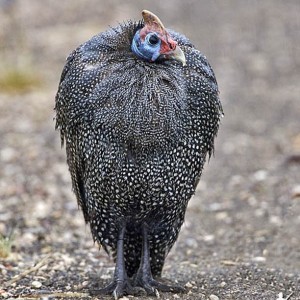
x: 247, y: 206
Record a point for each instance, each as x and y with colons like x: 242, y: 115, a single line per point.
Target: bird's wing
x: 69, y: 136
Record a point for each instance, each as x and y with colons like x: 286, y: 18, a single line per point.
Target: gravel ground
x: 241, y: 236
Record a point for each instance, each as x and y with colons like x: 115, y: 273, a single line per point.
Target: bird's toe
x: 118, y: 288
x: 153, y: 287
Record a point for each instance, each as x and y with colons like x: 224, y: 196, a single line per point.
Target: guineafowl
x: 138, y: 109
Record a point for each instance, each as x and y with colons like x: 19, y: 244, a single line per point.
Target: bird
x: 138, y: 110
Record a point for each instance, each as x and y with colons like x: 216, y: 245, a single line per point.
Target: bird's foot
x: 117, y: 288
x: 153, y: 286
x: 120, y: 285
x: 144, y: 278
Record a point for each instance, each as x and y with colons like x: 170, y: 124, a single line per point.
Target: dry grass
x: 17, y: 81
x: 5, y: 246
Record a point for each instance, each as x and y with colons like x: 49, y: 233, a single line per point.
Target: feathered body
x: 137, y: 134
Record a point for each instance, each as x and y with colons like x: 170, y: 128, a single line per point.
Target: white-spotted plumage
x: 137, y: 135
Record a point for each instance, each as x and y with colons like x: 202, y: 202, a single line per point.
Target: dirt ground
x: 241, y: 236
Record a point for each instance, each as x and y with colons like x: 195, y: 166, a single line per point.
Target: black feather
x: 137, y: 135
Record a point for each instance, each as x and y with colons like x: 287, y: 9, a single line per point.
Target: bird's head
x: 153, y: 42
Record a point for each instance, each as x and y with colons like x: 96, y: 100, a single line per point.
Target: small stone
x: 215, y: 207
x: 235, y: 180
x: 188, y: 285
x: 208, y: 238
x: 4, y: 294
x: 176, y: 296
x: 222, y: 284
x: 191, y: 243
x: 222, y: 215
x: 260, y: 175
x: 296, y: 191
x: 276, y: 220
x: 85, y: 283
x: 259, y: 259
x: 7, y: 154
x: 213, y: 297
x: 229, y: 262
x: 36, y: 284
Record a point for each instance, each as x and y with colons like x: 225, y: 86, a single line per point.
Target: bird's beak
x: 170, y: 49
x: 176, y: 54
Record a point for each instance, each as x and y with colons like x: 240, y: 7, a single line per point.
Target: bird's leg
x: 120, y: 284
x: 144, y: 278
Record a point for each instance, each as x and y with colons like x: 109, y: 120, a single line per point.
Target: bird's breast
x: 143, y: 106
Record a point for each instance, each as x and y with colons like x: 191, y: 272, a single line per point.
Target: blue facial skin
x: 149, y: 48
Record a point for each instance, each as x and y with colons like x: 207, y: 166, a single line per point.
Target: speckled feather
x: 137, y: 136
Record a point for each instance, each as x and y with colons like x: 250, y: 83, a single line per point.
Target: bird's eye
x: 153, y: 39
